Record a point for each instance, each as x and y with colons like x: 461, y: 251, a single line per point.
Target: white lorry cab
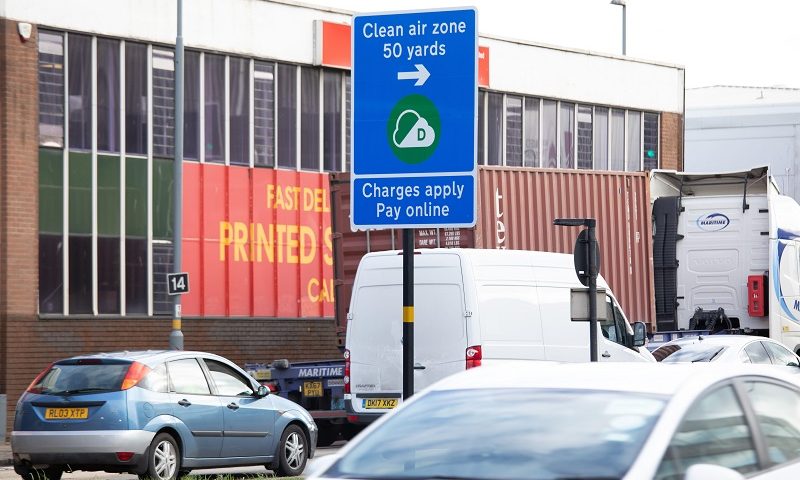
x: 725, y: 255
x: 471, y: 307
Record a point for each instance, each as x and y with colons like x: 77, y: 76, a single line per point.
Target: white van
x: 471, y: 307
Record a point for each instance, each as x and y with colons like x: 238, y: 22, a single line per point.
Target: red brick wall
x: 18, y: 204
x: 672, y: 141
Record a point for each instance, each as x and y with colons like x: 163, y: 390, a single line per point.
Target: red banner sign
x: 257, y: 242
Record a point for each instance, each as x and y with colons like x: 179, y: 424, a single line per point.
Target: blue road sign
x: 415, y: 119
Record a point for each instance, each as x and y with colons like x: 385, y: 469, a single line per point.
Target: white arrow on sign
x: 421, y: 75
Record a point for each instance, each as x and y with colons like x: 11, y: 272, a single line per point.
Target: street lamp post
x: 176, y: 335
x: 622, y: 4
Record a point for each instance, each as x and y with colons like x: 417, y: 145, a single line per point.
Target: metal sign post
x: 408, y: 312
x: 415, y: 121
x: 587, y: 267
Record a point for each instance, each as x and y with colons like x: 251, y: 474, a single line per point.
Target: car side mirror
x: 703, y: 471
x: 262, y: 391
x: 639, y: 334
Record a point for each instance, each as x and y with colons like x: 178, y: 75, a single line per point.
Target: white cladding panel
x: 285, y: 32
x: 741, y: 148
x: 247, y: 27
x: 584, y: 76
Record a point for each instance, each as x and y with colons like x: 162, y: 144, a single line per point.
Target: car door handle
x: 233, y: 406
x: 184, y: 403
x: 606, y: 355
x: 418, y: 366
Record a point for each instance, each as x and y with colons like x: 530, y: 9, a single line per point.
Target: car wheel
x: 292, y: 452
x: 163, y: 459
x: 52, y: 473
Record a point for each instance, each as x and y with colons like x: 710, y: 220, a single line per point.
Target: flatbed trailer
x: 318, y: 386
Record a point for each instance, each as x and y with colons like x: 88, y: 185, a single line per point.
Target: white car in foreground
x: 586, y: 421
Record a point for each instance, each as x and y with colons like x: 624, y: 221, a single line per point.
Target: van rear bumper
x: 359, y: 418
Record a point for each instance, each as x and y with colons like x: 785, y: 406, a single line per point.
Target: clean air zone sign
x: 415, y: 119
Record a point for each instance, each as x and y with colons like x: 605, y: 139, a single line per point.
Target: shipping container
x: 516, y: 209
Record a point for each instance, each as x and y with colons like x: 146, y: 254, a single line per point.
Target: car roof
x: 149, y: 357
x: 648, y: 378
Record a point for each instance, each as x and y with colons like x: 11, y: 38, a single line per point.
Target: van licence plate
x: 66, y: 413
x: 382, y: 403
x: 312, y: 389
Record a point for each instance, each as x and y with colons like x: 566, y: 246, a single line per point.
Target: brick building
x: 86, y: 148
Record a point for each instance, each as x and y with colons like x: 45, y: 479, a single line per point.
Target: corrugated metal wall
x: 516, y: 209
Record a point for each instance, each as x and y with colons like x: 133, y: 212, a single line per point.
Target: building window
x: 214, y: 100
x: 650, y: 134
x: 309, y: 118
x: 531, y: 123
x: 136, y: 232
x: 239, y: 102
x: 264, y: 113
x: 584, y: 137
x: 549, y: 129
x: 600, y: 138
x: 287, y: 116
x: 163, y: 173
x: 513, y: 131
x: 494, y: 140
x: 108, y: 234
x: 136, y: 98
x: 567, y: 154
x: 108, y: 95
x: 617, y: 140
x: 51, y: 231
x: 81, y: 276
x: 80, y: 92
x: 332, y: 121
x: 51, y: 89
x: 191, y: 105
x: 163, y: 103
x: 634, y: 150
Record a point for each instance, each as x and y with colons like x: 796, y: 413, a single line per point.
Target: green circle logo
x: 414, y: 128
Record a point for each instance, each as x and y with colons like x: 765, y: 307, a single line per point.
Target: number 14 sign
x: 177, y: 283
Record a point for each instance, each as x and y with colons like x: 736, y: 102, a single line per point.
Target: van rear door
x: 375, y: 329
x: 440, y: 333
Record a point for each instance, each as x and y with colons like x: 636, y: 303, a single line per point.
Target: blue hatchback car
x: 157, y: 414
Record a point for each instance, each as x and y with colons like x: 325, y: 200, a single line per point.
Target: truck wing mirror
x: 639, y: 334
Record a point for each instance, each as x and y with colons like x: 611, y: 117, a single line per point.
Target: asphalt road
x: 7, y: 473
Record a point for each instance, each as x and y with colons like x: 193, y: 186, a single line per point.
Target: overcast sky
x: 719, y: 42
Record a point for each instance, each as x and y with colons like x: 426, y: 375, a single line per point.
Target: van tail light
x: 474, y: 356
x: 136, y: 372
x: 32, y: 388
x: 347, y: 371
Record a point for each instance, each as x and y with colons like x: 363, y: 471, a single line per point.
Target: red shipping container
x: 516, y: 208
